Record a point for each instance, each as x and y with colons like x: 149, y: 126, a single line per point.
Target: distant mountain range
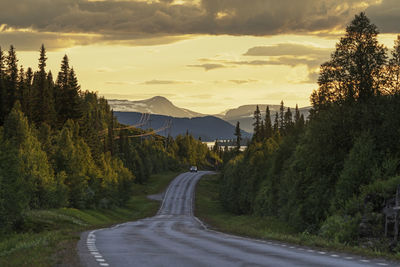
x: 159, y: 105
x: 208, y: 128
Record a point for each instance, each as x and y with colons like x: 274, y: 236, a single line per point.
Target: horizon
x: 210, y: 114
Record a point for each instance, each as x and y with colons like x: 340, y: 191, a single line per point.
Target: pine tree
x: 28, y: 95
x: 393, y: 86
x: 276, y: 123
x: 61, y: 91
x: 75, y: 107
x: 296, y: 114
x: 3, y: 92
x: 238, y: 135
x: 21, y: 88
x: 268, y: 124
x: 12, y: 78
x: 288, y: 121
x: 257, y: 124
x: 44, y: 110
x: 282, y: 117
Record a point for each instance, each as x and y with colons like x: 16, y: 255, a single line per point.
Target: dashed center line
x: 91, y: 246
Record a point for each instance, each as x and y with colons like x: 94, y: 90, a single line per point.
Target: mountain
x: 162, y: 106
x: 244, y: 114
x: 155, y: 105
x: 209, y: 128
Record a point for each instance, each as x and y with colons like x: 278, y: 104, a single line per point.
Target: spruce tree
x: 238, y: 135
x: 3, y: 92
x: 268, y: 124
x: 12, y: 78
x: 393, y: 86
x: 257, y: 124
x: 276, y: 123
x: 288, y: 120
x: 282, y: 117
x: 28, y: 95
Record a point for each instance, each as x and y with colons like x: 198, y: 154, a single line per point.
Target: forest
x: 61, y: 146
x: 332, y: 174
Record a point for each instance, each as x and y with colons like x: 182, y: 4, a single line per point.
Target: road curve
x: 174, y: 237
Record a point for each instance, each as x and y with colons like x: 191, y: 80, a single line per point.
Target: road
x: 175, y: 237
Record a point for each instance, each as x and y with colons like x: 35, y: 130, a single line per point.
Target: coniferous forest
x: 333, y: 174
x: 61, y: 146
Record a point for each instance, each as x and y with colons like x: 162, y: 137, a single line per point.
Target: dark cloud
x: 287, y: 50
x: 386, y: 16
x: 208, y: 66
x: 155, y: 22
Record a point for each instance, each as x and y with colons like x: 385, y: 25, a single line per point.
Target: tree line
x: 333, y: 174
x: 62, y: 147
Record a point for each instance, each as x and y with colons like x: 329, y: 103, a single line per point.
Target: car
x: 193, y: 169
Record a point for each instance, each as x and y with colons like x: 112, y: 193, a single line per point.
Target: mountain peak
x: 158, y: 99
x: 155, y: 105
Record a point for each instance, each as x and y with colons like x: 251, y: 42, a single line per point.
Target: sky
x: 204, y: 55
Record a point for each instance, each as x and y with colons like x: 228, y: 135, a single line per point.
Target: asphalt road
x: 174, y: 237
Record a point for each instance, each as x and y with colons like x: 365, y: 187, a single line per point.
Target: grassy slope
x: 210, y: 211
x: 53, y: 234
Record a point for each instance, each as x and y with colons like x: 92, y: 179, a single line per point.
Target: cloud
x: 157, y: 22
x: 243, y: 81
x: 119, y: 83
x: 386, y: 15
x: 287, y: 49
x: 208, y: 66
x: 163, y: 82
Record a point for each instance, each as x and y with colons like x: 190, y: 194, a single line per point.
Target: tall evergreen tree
x: 268, y: 123
x: 238, y: 135
x: 288, y: 121
x: 281, y: 116
x: 257, y: 124
x: 3, y: 92
x: 12, y: 78
x: 276, y: 123
x: 28, y: 95
x: 393, y: 86
x: 43, y: 90
x: 296, y: 114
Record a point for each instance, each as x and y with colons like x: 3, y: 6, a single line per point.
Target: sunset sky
x: 205, y: 55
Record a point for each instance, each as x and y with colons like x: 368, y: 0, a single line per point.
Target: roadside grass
x: 210, y: 211
x: 50, y: 236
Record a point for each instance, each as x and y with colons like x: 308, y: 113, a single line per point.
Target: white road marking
x: 322, y: 252
x: 335, y: 256
x: 310, y: 250
x: 365, y: 260
x: 349, y: 258
x: 382, y: 264
x: 100, y: 260
x: 103, y: 264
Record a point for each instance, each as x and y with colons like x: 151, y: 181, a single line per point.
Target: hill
x: 208, y: 128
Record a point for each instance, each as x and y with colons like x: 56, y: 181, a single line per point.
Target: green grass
x: 210, y: 211
x: 52, y: 235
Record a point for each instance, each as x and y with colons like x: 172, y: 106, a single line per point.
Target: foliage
x: 62, y: 147
x: 329, y: 176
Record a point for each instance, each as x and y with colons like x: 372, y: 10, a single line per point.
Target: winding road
x: 175, y: 237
